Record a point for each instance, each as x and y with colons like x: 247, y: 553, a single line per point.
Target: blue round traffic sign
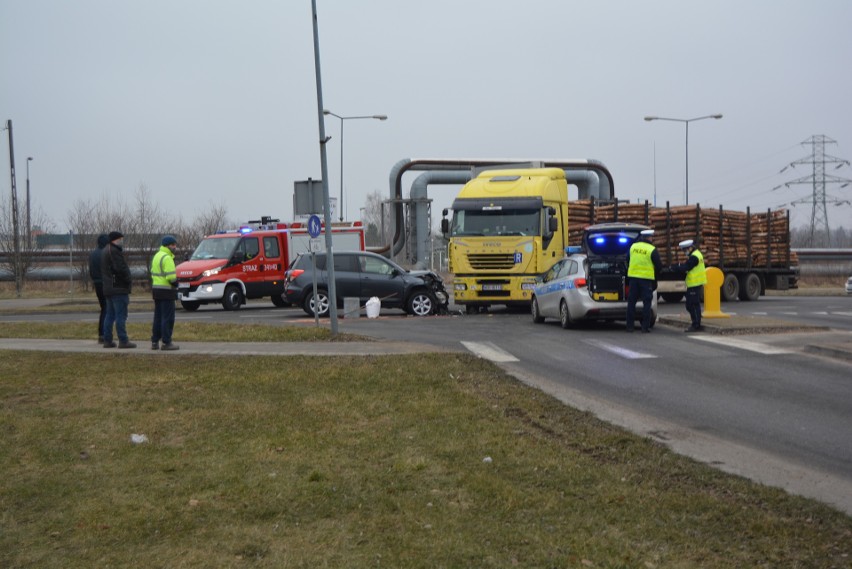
x: 314, y: 226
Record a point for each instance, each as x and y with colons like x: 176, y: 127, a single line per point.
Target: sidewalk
x: 820, y: 341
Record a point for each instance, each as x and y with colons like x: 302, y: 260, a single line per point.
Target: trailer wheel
x: 672, y: 297
x: 233, y: 298
x: 536, y: 313
x: 749, y: 286
x: 190, y: 305
x: 730, y: 287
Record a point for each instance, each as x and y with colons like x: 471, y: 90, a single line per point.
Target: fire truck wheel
x: 190, y: 305
x: 421, y: 303
x: 278, y: 301
x: 233, y: 298
x: 322, y: 301
x: 536, y: 313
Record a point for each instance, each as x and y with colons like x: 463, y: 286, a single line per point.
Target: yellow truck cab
x: 508, y: 227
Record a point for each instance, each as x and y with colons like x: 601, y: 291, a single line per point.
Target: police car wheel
x: 536, y: 313
x: 565, y: 316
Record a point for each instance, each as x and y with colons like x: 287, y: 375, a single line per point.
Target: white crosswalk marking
x: 743, y: 345
x: 618, y: 350
x: 489, y: 351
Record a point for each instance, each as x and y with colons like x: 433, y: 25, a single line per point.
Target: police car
x: 591, y: 282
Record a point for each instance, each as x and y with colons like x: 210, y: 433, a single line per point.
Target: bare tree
x: 373, y: 218
x: 28, y: 256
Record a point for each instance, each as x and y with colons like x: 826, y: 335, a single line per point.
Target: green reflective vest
x: 163, y: 269
x: 698, y: 275
x: 641, y: 266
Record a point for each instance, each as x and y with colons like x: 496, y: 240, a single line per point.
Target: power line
x: 818, y: 180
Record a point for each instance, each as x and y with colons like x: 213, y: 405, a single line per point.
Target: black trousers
x: 99, y: 291
x: 693, y: 304
x: 644, y: 289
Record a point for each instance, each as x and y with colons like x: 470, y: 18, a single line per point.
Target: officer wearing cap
x: 643, y: 265
x: 696, y: 278
x: 164, y: 291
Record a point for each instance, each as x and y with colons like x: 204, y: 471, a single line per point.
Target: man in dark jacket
x: 98, y: 282
x: 117, y: 282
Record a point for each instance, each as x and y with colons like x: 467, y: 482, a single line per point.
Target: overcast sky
x: 214, y: 102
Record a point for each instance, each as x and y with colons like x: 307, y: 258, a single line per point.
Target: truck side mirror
x: 553, y: 224
x: 445, y: 224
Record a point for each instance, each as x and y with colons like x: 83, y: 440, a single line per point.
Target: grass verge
x: 183, y: 332
x: 414, y: 461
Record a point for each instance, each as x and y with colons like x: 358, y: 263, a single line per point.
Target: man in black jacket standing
x: 98, y: 282
x: 117, y: 282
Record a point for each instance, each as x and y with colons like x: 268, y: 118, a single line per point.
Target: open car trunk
x: 606, y: 246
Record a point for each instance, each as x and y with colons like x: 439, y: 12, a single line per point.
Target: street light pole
x: 29, y: 225
x: 342, y: 118
x: 685, y: 122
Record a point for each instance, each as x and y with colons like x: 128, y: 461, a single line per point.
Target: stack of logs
x: 725, y: 237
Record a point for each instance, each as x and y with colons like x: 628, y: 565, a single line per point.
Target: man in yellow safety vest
x: 164, y: 291
x: 696, y: 278
x: 643, y: 265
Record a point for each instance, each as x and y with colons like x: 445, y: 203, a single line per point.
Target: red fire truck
x: 233, y: 266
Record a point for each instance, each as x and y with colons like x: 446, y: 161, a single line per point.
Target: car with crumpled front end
x: 590, y: 284
x: 849, y: 285
x: 363, y: 275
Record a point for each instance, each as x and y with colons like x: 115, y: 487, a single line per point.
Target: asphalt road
x: 754, y: 405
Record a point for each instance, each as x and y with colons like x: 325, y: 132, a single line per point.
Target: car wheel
x: 321, y: 302
x: 421, y: 303
x: 233, y: 298
x: 565, y: 315
x: 279, y: 302
x: 536, y: 313
x: 190, y: 305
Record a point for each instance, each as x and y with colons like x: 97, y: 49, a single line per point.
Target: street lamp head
x: 651, y: 118
x: 381, y: 117
x: 716, y: 116
x: 29, y: 158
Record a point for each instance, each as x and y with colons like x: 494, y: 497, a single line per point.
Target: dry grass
x: 358, y: 462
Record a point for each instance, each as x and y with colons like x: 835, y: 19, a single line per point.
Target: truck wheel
x: 730, y: 287
x: 536, y: 313
x: 279, y: 302
x: 321, y: 302
x: 749, y: 287
x: 420, y: 303
x: 190, y: 305
x: 565, y: 316
x: 233, y: 298
x: 473, y: 309
x: 672, y: 297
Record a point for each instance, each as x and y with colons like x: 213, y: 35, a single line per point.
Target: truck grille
x: 491, y: 261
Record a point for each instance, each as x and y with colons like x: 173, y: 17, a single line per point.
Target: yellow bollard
x: 713, y: 294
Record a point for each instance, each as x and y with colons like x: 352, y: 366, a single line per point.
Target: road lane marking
x: 757, y: 347
x: 490, y: 351
x: 619, y: 351
x: 843, y: 313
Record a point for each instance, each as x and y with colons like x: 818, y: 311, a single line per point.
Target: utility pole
x: 16, y: 235
x: 818, y: 180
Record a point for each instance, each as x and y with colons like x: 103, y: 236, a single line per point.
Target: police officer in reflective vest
x: 696, y: 278
x: 643, y: 265
x: 164, y: 291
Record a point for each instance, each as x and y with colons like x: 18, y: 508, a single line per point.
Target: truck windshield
x: 503, y: 221
x: 215, y: 248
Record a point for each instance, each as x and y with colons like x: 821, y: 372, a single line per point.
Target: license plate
x: 183, y: 285
x: 492, y: 287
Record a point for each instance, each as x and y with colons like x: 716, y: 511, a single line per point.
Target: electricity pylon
x: 818, y: 179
